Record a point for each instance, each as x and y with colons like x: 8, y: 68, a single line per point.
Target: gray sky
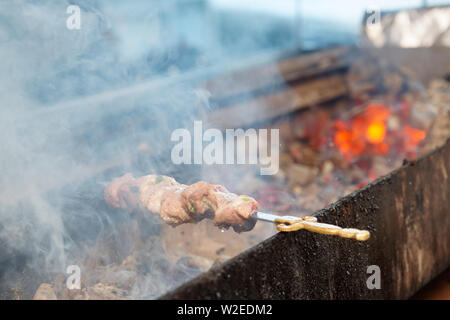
x: 345, y: 11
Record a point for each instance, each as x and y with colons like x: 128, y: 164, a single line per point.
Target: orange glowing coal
x: 364, y: 133
x: 412, y: 137
x: 376, y: 132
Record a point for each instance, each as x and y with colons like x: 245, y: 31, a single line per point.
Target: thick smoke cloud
x: 74, y: 108
x: 76, y: 105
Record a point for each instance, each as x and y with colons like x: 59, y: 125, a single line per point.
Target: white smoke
x: 77, y: 103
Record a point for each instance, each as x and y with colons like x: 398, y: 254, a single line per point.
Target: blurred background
x: 79, y: 108
x: 121, y: 43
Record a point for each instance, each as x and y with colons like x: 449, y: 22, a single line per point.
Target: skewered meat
x: 123, y: 193
x: 178, y: 203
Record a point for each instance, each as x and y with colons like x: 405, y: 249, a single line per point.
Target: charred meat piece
x: 177, y: 203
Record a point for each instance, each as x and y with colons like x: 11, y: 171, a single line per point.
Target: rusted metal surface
x: 408, y: 215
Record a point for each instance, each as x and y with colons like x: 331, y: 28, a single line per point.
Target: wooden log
x: 408, y: 215
x: 285, y: 70
x: 269, y: 106
x: 261, y: 93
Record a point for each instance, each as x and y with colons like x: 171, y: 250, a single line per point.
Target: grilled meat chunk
x: 178, y: 203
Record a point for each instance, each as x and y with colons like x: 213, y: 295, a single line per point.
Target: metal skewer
x: 290, y: 223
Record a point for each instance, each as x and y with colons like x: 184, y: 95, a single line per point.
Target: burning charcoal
x: 275, y: 199
x: 45, y: 292
x: 311, y: 127
x: 303, y: 154
x: 298, y: 174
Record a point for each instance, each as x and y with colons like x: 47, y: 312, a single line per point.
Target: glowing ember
x: 364, y: 133
x: 412, y: 137
x: 348, y: 141
x: 368, y: 133
x: 376, y: 132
